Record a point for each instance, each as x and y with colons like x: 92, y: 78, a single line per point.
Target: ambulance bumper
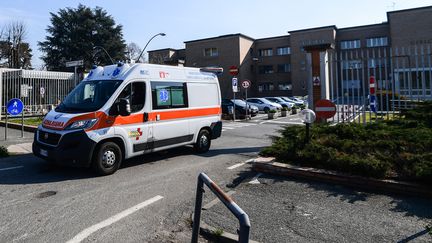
x: 73, y: 149
x: 216, y: 128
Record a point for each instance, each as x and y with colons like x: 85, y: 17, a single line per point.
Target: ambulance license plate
x: 43, y: 152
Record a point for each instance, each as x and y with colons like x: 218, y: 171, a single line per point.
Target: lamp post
x: 100, y: 47
x: 161, y: 34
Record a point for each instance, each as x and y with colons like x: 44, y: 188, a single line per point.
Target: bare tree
x: 14, y: 52
x: 134, y: 51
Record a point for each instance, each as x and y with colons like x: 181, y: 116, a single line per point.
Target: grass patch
x: 399, y: 149
x: 34, y: 121
x: 3, y: 152
x: 218, y: 232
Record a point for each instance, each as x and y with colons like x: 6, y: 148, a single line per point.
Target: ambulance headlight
x: 83, y: 124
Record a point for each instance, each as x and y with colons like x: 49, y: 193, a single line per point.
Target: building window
x: 283, y: 51
x: 265, y: 52
x: 168, y: 95
x: 351, y: 44
x: 284, y: 68
x: 211, y: 52
x: 352, y: 64
x: 285, y: 86
x: 376, y: 42
x: 265, y: 69
x: 265, y: 87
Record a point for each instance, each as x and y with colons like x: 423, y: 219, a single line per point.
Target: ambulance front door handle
x: 157, y: 117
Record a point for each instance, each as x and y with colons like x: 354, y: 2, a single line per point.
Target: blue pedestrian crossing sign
x: 15, y: 107
x: 373, y: 103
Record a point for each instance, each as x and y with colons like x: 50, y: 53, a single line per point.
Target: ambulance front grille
x: 49, y: 138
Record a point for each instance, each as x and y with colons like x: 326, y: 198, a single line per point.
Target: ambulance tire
x: 107, y: 158
x: 203, y: 142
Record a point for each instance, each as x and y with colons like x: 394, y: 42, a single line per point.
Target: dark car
x: 240, y: 107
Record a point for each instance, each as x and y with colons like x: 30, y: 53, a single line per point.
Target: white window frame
x: 213, y: 52
x: 282, y: 51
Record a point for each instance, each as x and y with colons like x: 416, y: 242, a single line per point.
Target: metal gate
x: 37, y: 89
x: 377, y: 83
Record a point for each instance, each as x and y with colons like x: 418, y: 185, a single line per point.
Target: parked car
x: 240, y: 108
x: 281, y: 102
x: 253, y: 110
x: 264, y: 104
x: 297, y: 99
x: 296, y: 103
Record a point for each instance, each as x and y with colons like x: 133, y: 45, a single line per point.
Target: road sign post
x: 14, y: 107
x: 246, y: 84
x: 235, y: 89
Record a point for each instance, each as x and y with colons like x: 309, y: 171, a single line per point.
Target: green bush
x: 399, y: 148
x: 3, y: 152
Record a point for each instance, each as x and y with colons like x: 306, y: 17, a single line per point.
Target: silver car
x: 281, y: 102
x: 264, y: 104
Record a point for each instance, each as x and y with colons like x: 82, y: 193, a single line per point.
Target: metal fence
x: 37, y: 89
x: 378, y: 82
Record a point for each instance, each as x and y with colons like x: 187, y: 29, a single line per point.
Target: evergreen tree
x: 79, y: 33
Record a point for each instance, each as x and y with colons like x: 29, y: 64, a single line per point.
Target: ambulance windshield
x: 88, y: 96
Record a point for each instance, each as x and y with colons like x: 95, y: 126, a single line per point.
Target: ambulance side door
x: 134, y: 127
x: 170, y: 114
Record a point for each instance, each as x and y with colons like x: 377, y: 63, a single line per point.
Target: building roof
x: 316, y: 28
x: 222, y: 36
x: 165, y: 49
x: 409, y: 10
x: 364, y: 26
x: 273, y: 37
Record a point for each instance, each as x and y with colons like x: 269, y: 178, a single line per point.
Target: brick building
x: 278, y: 65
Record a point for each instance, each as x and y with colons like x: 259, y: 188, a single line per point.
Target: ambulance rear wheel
x: 107, y: 158
x: 203, y: 142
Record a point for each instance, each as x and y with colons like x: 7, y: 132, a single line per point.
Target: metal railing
x: 402, y: 77
x: 227, y: 201
x: 39, y: 90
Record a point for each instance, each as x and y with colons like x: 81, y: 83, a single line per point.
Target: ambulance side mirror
x: 124, y: 108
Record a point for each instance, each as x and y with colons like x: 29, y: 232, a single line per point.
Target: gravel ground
x: 283, y: 210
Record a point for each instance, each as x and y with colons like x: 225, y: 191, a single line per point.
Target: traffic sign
x: 372, y: 85
x: 233, y: 70
x: 325, y: 109
x: 75, y: 63
x: 246, y: 84
x: 42, y: 91
x: 15, y: 106
x: 235, y: 85
x: 373, y: 103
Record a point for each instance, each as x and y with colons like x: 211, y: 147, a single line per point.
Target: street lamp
x: 161, y: 34
x: 96, y: 47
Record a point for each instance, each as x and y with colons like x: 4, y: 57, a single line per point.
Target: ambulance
x: 122, y: 111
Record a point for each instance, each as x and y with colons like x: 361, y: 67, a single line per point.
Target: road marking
x: 236, y: 166
x: 255, y: 179
x: 12, y: 168
x: 87, y: 232
x: 281, y: 122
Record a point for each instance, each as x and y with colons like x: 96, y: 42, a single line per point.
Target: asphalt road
x: 41, y: 203
x: 151, y: 198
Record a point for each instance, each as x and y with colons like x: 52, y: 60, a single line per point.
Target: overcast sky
x: 195, y: 19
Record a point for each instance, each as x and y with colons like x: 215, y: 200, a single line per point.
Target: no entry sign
x: 233, y: 70
x: 325, y: 109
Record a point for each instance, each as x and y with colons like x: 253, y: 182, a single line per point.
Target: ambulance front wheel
x: 107, y: 158
x: 203, y: 142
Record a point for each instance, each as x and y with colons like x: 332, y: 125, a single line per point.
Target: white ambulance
x: 121, y: 111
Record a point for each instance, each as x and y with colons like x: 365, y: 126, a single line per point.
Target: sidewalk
x: 15, y: 143
x: 285, y: 210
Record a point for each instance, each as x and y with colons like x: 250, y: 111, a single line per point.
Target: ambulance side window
x: 135, y: 92
x: 169, y: 95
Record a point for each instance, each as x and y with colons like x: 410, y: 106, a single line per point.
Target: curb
x: 27, y: 128
x: 268, y: 165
